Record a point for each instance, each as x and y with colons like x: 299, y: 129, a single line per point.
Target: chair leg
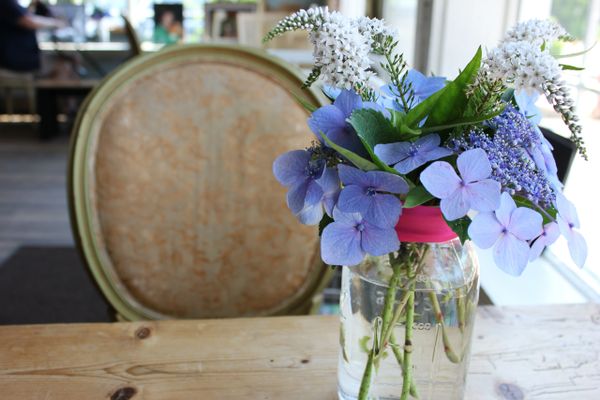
x: 31, y: 98
x: 9, y: 101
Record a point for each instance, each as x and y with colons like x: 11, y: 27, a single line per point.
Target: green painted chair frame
x: 126, y: 306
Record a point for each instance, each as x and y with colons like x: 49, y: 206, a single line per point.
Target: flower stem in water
x: 400, y: 359
x: 378, y: 345
x: 450, y: 353
x: 407, y: 365
x: 365, y: 384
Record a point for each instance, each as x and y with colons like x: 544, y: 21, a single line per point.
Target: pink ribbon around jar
x: 423, y: 224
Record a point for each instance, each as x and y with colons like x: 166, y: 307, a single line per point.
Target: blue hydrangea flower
x: 542, y: 156
x: 510, y: 152
x: 298, y: 171
x: 568, y: 222
x: 507, y: 229
x: 349, y: 238
x: 331, y: 120
x: 330, y: 183
x: 471, y: 190
x: 549, y: 235
x: 526, y: 103
x: 331, y: 91
x: 422, y: 87
x: 540, y: 150
x: 407, y: 156
x: 368, y: 193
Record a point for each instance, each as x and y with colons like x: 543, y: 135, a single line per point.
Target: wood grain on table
x: 545, y: 352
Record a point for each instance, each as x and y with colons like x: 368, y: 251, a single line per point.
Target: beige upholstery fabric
x: 186, y: 214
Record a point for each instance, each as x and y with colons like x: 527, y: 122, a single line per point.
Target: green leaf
x: 326, y: 220
x: 372, y: 129
x: 451, y: 105
x: 354, y: 158
x: 406, y: 131
x: 417, y: 196
x: 464, y: 121
x: 509, y: 96
x: 523, y: 202
x: 397, y: 116
x: 307, y: 106
x: 363, y: 344
x: 571, y: 67
x: 460, y: 227
x: 423, y: 109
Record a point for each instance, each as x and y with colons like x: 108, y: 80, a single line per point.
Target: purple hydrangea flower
x: 526, y: 103
x: 349, y: 238
x: 549, y: 235
x: 540, y: 150
x: 510, y: 153
x: 507, y: 229
x: 367, y: 193
x: 422, y: 87
x: 298, y: 171
x: 542, y: 156
x: 330, y: 183
x: 407, y: 156
x: 331, y: 91
x: 471, y: 190
x: 568, y: 222
x: 331, y: 120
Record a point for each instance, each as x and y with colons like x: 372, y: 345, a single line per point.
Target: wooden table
x: 518, y: 353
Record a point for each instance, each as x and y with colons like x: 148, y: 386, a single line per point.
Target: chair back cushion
x: 173, y: 200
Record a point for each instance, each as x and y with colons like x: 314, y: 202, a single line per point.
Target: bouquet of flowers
x: 470, y: 146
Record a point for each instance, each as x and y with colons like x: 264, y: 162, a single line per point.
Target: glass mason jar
x: 407, y: 321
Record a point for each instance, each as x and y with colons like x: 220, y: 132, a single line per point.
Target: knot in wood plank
x: 125, y: 393
x: 143, y: 332
x: 509, y: 391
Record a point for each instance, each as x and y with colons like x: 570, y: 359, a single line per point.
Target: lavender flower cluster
x: 509, y: 149
x: 523, y: 61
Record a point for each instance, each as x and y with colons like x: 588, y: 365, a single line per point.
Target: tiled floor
x: 33, y: 201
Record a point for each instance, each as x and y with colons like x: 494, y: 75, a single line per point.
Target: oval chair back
x: 172, y: 197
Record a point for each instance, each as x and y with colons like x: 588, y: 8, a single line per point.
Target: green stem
x: 450, y: 353
x: 395, y: 76
x: 407, y: 365
x: 400, y: 360
x: 397, y: 314
x: 365, y: 384
x: 390, y: 297
x: 460, y: 310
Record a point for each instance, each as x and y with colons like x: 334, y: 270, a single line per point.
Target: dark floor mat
x: 49, y: 285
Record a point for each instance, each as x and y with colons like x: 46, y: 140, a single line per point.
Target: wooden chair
x: 135, y: 46
x: 173, y: 202
x: 19, y: 81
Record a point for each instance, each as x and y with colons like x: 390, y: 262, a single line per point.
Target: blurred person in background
x: 40, y: 8
x: 18, y: 43
x: 168, y: 29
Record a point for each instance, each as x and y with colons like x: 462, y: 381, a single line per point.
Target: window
x: 582, y: 19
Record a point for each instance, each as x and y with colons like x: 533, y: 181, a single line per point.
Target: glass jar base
x: 345, y: 396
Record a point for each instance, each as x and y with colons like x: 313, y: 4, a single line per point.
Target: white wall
x: 530, y: 9
x: 353, y: 8
x: 460, y: 26
x: 402, y: 16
